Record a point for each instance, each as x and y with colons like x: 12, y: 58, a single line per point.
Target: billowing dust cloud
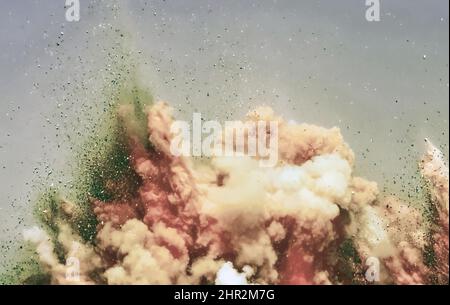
x: 227, y: 220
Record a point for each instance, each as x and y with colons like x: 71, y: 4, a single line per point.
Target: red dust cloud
x: 226, y: 220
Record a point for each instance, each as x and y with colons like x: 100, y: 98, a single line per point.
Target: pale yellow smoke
x: 397, y: 233
x: 85, y: 258
x: 252, y: 223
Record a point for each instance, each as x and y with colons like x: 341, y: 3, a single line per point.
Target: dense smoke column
x: 307, y: 220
